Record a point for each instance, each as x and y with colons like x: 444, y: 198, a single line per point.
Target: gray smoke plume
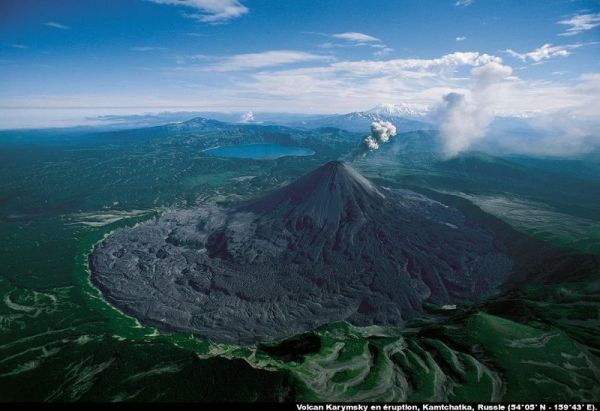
x: 381, y: 132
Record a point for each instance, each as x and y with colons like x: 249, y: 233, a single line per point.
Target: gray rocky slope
x: 330, y: 246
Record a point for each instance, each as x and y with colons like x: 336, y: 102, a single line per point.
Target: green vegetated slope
x: 59, y: 340
x: 553, y: 199
x: 482, y: 357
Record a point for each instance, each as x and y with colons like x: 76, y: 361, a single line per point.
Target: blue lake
x: 258, y: 151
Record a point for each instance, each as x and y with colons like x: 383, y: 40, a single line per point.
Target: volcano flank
x: 331, y: 246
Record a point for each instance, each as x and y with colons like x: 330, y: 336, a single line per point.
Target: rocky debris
x: 331, y: 246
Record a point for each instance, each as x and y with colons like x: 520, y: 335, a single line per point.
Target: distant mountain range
x: 201, y: 133
x: 404, y: 117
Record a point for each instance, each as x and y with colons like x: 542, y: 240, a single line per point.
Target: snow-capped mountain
x: 399, y: 110
x: 404, y: 117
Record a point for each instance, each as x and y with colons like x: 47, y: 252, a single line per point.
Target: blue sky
x: 311, y: 56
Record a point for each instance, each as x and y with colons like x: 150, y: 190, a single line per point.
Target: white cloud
x: 343, y: 86
x: 210, y: 11
x: 56, y: 25
x: 148, y: 48
x: 461, y: 38
x: 564, y: 119
x: 247, y: 117
x: 318, y: 84
x: 490, y: 74
x: 356, y: 37
x: 557, y: 134
x: 587, y: 98
x: 19, y: 46
x: 251, y: 61
x: 580, y: 23
x: 383, y: 51
x: 569, y: 124
x: 464, y: 118
x: 544, y: 52
x: 464, y: 3
x: 399, y: 66
x: 327, y: 45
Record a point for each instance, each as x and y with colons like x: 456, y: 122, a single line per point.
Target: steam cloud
x: 247, y: 117
x: 381, y: 132
x: 465, y: 118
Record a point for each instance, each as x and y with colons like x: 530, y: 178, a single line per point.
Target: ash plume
x: 381, y: 132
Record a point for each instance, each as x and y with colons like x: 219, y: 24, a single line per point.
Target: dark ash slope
x: 331, y: 246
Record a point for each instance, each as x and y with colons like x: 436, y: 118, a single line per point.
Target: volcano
x: 331, y: 246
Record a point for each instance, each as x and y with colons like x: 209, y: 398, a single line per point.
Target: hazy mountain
x: 405, y: 117
x: 128, y: 121
x: 205, y: 133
